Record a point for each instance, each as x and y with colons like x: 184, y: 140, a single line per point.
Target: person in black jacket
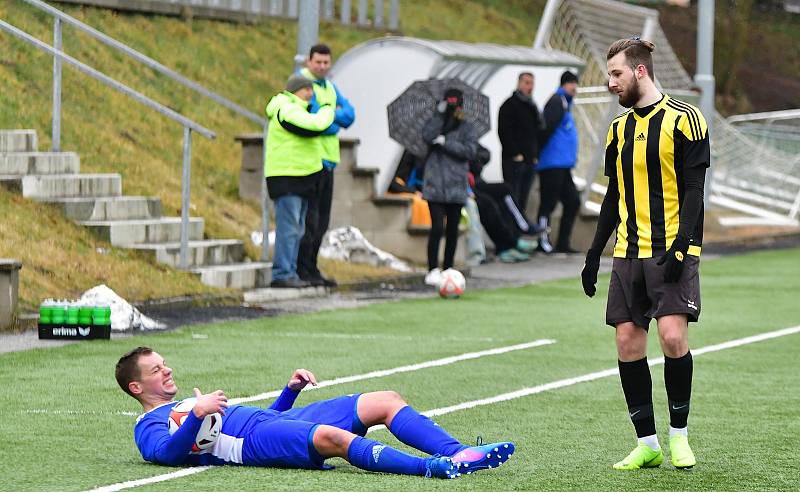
x: 518, y: 125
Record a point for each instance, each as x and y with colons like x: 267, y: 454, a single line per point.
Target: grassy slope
x: 744, y: 404
x: 115, y: 134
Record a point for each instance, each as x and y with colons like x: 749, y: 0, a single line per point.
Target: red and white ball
x: 209, y: 430
x: 452, y: 284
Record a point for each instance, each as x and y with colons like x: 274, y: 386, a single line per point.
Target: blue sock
x: 420, y: 432
x: 374, y: 456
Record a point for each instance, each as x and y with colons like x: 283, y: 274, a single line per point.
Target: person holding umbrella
x: 453, y: 143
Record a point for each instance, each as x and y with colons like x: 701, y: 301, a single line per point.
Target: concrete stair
x: 236, y: 276
x: 109, y: 208
x: 143, y: 231
x: 95, y: 201
x: 206, y: 252
x: 22, y: 163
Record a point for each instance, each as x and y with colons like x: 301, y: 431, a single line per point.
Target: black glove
x: 589, y: 273
x: 673, y: 259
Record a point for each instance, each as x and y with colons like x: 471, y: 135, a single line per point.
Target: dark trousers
x: 556, y: 185
x: 439, y: 212
x: 498, y: 225
x: 511, y: 211
x: 318, y: 218
x: 519, y: 177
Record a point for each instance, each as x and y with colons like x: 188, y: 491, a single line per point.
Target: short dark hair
x: 523, y: 74
x: 128, y: 368
x: 322, y: 49
x: 637, y: 52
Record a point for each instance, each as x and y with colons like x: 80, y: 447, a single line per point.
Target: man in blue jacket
x: 318, y: 215
x: 556, y: 160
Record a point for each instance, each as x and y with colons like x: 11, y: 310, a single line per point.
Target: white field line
x: 147, y: 481
x: 503, y: 397
x: 409, y: 368
x: 602, y: 374
x: 333, y: 382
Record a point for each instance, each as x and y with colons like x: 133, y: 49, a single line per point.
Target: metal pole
x: 307, y: 30
x: 394, y: 14
x: 378, y: 13
x: 328, y: 10
x: 185, y: 190
x: 598, y: 158
x: 362, y: 13
x: 56, y: 144
x: 264, y: 207
x: 546, y: 24
x: 704, y: 78
x: 345, y: 14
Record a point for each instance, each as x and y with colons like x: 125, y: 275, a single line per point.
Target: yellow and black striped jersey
x: 647, y: 155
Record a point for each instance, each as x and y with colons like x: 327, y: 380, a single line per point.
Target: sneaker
x: 642, y: 456
x: 519, y: 255
x: 527, y: 246
x: 483, y: 456
x: 434, y: 277
x: 680, y: 453
x: 441, y: 467
x: 509, y: 256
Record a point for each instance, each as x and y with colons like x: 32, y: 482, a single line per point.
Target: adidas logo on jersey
x: 641, y: 137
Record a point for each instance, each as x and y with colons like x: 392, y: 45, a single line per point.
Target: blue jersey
x: 154, y: 441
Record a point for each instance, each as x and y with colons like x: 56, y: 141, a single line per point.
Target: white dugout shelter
x: 374, y: 73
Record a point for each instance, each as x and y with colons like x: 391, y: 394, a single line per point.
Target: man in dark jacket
x: 558, y: 156
x: 518, y: 125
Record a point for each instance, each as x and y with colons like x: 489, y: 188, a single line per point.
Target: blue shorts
x: 286, y: 440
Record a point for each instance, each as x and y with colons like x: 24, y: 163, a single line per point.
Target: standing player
x: 656, y: 158
x: 304, y: 437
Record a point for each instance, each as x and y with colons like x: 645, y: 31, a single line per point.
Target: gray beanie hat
x: 297, y: 82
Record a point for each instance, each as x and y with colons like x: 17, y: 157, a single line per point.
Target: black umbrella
x: 416, y: 105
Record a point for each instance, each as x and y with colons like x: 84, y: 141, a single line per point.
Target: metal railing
x: 249, y: 10
x: 60, y: 16
x: 188, y: 125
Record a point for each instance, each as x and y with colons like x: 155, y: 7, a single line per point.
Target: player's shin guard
x: 678, y: 380
x: 638, y: 388
x: 375, y: 456
x: 420, y: 432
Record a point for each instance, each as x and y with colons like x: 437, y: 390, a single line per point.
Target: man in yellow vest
x: 292, y: 167
x: 319, y: 206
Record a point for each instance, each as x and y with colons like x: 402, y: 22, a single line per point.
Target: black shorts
x: 638, y: 293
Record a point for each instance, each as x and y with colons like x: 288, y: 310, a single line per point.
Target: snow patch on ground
x: 349, y: 244
x: 124, y: 316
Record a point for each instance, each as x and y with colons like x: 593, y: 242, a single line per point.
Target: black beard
x: 632, y: 96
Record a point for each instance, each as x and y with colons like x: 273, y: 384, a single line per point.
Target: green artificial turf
x: 67, y: 426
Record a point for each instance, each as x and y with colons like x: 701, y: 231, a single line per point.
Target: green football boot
x: 680, y: 453
x: 642, y: 456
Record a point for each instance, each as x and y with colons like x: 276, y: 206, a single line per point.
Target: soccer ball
x: 451, y: 284
x: 209, y: 429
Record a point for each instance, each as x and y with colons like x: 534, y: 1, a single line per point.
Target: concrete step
x: 236, y: 275
x: 110, y: 208
x: 54, y: 186
x: 18, y: 141
x: 203, y: 253
x: 267, y: 295
x: 21, y: 163
x: 130, y: 232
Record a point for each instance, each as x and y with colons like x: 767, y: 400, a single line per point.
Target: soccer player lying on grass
x: 282, y: 436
